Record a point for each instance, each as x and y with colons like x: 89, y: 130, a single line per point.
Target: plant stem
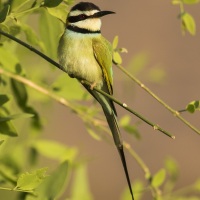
x: 59, y: 99
x: 123, y: 105
x: 84, y: 117
x: 174, y: 112
x: 16, y: 190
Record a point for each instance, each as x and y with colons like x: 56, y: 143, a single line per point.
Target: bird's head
x: 86, y: 15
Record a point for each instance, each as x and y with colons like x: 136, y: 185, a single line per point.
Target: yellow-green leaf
x: 192, y: 106
x: 30, y: 181
x: 190, y: 1
x: 117, y: 58
x: 52, y: 3
x: 81, y: 182
x: 188, y: 23
x: 115, y: 42
x: 159, y: 178
x: 6, y: 127
x: 59, y: 12
x: 4, y: 12
x: 55, y: 150
x: 93, y: 134
x: 68, y: 88
x: 3, y: 99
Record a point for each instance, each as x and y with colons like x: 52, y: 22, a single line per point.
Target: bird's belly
x: 77, y: 59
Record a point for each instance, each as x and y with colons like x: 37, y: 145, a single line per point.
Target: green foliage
x: 25, y: 154
x: 192, y: 106
x: 81, y: 182
x: 187, y: 21
x: 139, y: 66
x: 30, y: 181
x: 158, y: 178
x: 116, y: 51
x: 125, y: 123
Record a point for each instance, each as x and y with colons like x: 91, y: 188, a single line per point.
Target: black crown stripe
x: 83, y: 6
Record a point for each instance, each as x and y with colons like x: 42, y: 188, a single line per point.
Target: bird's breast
x: 76, y: 56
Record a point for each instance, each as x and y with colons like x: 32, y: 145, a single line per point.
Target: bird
x: 84, y: 54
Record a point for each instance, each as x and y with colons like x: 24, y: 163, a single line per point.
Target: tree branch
x: 174, y: 112
x: 123, y: 105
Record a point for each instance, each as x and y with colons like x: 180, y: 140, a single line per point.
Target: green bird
x: 86, y: 55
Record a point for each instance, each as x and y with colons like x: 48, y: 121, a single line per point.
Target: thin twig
x: 125, y: 106
x: 174, y: 112
x: 52, y: 95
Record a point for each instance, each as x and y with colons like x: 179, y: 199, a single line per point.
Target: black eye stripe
x: 77, y: 18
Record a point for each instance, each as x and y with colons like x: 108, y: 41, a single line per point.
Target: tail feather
x: 110, y: 113
x: 112, y: 121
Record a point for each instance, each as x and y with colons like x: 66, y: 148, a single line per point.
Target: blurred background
x: 150, y: 30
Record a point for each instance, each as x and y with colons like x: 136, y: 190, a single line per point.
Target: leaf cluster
x: 28, y: 84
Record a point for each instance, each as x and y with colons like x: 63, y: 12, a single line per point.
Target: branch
x: 123, y: 105
x: 51, y: 94
x: 174, y: 112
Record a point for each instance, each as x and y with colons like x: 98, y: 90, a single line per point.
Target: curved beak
x: 102, y: 13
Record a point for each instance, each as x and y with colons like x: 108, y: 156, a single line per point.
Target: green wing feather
x: 103, y: 54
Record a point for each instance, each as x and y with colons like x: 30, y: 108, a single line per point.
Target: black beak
x: 102, y: 13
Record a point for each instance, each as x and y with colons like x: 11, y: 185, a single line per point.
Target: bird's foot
x: 93, y: 85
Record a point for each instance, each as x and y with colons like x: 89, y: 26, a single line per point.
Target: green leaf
x: 93, y: 134
x: 117, y: 58
x: 190, y: 1
x: 132, y: 129
x: 176, y: 2
x: 3, y: 99
x: 125, y: 120
x: 59, y: 12
x: 188, y: 23
x: 81, y: 182
x: 157, y: 74
x: 197, y: 185
x: 172, y: 168
x: 55, y: 150
x: 14, y: 30
x: 8, y: 59
x: 4, y: 12
x: 8, y: 173
x: 20, y: 93
x: 17, y: 5
x: 52, y: 3
x: 30, y: 181
x: 1, y: 142
x: 68, y: 88
x: 192, y: 106
x: 115, y: 42
x: 6, y: 127
x: 32, y: 36
x: 138, y: 63
x: 159, y: 178
x: 16, y: 116
x: 49, y: 26
x: 53, y: 185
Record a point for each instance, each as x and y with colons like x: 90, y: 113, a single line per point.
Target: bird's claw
x: 93, y: 85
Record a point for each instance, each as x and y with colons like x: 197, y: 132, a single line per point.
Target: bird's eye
x: 82, y: 16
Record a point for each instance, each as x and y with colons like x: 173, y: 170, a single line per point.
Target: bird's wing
x: 103, y: 54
